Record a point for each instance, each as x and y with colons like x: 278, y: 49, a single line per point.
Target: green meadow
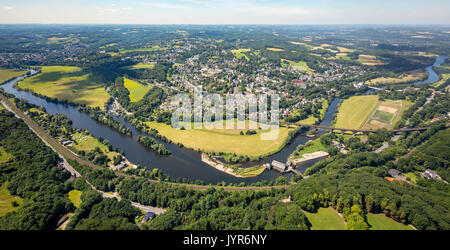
x: 355, y: 111
x: 7, y: 74
x: 6, y: 200
x: 75, y: 197
x: 325, y: 219
x: 381, y: 222
x: 67, y: 83
x: 137, y: 90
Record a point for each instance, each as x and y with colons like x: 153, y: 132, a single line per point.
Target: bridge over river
x: 354, y: 131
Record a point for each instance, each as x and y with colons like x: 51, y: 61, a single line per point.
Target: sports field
x: 5, y: 200
x: 387, y: 114
x: 137, y: 90
x: 7, y: 74
x: 222, y: 140
x: 355, y: 111
x: 67, y: 83
x: 381, y: 222
x: 325, y: 219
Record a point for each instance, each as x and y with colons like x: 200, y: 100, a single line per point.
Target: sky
x: 226, y: 11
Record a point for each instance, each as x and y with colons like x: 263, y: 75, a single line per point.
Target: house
x: 278, y: 166
x: 394, y: 173
x: 121, y: 165
x: 66, y: 143
x: 149, y: 216
x: 430, y: 174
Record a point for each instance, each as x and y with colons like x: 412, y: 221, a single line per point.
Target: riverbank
x: 236, y: 172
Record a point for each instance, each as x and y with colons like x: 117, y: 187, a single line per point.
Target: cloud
x: 7, y: 8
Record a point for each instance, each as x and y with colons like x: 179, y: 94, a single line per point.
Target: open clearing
x: 137, y: 90
x: 67, y: 83
x: 275, y: 49
x: 89, y: 143
x: 407, y: 77
x: 369, y: 60
x: 381, y: 222
x: 4, y: 156
x: 387, y: 114
x: 239, y: 53
x: 5, y: 200
x: 325, y: 219
x: 143, y: 66
x: 75, y: 197
x: 300, y: 66
x: 355, y: 111
x: 443, y: 80
x: 223, y: 140
x: 7, y: 74
x: 150, y: 49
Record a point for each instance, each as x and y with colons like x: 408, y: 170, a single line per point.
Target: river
x: 183, y: 163
x: 432, y: 75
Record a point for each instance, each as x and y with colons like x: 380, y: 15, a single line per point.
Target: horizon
x: 221, y: 12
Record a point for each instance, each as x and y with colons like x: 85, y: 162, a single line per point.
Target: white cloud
x: 7, y: 8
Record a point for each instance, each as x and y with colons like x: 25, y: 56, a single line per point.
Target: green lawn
x: 4, y: 156
x: 75, y: 197
x: 381, y: 222
x: 6, y: 74
x: 67, y: 83
x: 5, y: 200
x: 326, y: 219
x: 137, y: 90
x: 309, y: 147
x: 223, y: 140
x: 354, y: 112
x: 89, y: 143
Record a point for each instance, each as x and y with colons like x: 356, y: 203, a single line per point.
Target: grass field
x: 6, y: 74
x: 222, y: 140
x: 300, y: 66
x: 75, y: 197
x: 275, y: 49
x: 137, y: 90
x: 443, y: 80
x: 5, y: 200
x: 150, y: 49
x: 1, y: 107
x: 89, y: 143
x: 354, y: 112
x: 381, y: 222
x: 325, y: 219
x: 239, y: 53
x: 67, y: 83
x: 369, y: 60
x: 408, y: 77
x: 143, y: 66
x: 311, y: 120
x: 4, y: 156
x: 309, y: 147
x: 250, y: 172
x: 387, y: 114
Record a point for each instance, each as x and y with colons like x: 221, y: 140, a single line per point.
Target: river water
x: 432, y: 75
x: 183, y: 163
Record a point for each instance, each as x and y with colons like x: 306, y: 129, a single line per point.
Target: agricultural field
x: 239, y: 53
x: 381, y: 222
x: 369, y: 60
x: 355, y: 111
x: 75, y: 197
x: 6, y: 200
x: 67, y: 83
x: 137, y: 90
x: 223, y: 140
x: 300, y: 66
x: 275, y: 49
x: 88, y: 143
x: 150, y: 49
x: 4, y: 156
x: 143, y: 66
x: 7, y: 74
x: 408, y: 77
x: 443, y: 80
x: 325, y: 219
x: 387, y: 114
